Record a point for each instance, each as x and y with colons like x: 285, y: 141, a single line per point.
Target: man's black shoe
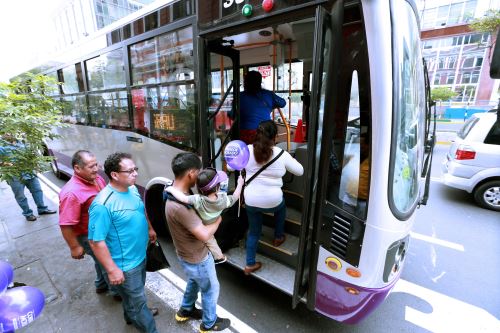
x: 183, y: 315
x: 220, y: 325
x: 154, y: 312
x: 31, y: 218
x: 101, y: 290
x: 47, y: 212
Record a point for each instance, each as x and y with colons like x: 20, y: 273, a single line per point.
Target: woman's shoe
x: 253, y: 268
x: 278, y: 241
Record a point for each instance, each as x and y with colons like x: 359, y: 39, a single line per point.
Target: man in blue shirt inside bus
x: 119, y: 233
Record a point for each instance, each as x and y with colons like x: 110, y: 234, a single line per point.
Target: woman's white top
x: 265, y: 190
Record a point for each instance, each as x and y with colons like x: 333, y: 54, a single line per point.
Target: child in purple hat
x: 210, y: 202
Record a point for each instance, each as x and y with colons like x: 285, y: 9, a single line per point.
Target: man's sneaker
x: 183, y: 315
x: 220, y: 325
x: 31, y: 218
x: 221, y: 260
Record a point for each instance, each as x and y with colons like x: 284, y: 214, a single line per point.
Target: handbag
x: 264, y: 167
x: 155, y: 259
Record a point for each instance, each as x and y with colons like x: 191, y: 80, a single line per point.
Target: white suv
x: 473, y: 161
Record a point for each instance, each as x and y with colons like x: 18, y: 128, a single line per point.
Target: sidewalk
x: 41, y: 259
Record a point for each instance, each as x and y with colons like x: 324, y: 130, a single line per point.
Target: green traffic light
x: 247, y: 10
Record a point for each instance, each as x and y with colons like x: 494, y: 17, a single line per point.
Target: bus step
x: 292, y: 220
x: 272, y: 272
x: 286, y: 253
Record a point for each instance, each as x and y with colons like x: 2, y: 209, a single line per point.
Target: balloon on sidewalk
x: 19, y: 307
x: 236, y: 154
x: 8, y: 270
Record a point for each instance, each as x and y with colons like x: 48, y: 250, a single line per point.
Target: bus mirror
x: 495, y: 60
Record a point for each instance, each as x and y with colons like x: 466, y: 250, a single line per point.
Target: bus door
x: 327, y: 50
x: 221, y: 85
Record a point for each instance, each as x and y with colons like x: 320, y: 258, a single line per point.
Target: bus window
x: 109, y: 109
x: 74, y: 110
x: 165, y: 113
x: 409, y: 100
x: 106, y: 71
x: 166, y: 58
x: 355, y: 171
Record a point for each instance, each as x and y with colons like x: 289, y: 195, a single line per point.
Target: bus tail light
x: 465, y: 153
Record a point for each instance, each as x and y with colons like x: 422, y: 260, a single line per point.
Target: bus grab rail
x: 210, y: 117
x: 287, y: 126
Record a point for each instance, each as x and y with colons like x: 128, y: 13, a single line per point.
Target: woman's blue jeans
x: 33, y: 185
x: 255, y: 227
x: 202, y: 276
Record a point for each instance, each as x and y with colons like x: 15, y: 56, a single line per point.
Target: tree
x: 489, y: 23
x: 442, y: 94
x: 27, y: 117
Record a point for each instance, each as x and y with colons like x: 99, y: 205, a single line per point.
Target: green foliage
x: 490, y: 22
x: 27, y: 117
x: 442, y: 94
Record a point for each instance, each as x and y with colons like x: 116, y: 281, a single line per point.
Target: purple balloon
x: 237, y: 154
x: 4, y: 282
x: 8, y: 270
x: 19, y: 307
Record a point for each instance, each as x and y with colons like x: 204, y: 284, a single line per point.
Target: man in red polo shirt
x: 74, y: 202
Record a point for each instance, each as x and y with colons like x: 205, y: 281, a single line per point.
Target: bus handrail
x: 287, y: 126
x: 210, y: 117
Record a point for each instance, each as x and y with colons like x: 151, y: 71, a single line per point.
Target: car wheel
x: 488, y: 195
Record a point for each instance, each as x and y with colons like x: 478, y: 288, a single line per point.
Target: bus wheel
x: 488, y: 195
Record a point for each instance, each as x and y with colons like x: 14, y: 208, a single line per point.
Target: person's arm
x: 178, y: 194
x: 239, y: 187
x: 101, y: 251
x: 69, y: 215
x: 69, y: 236
x: 151, y: 232
x: 278, y: 102
x: 205, y: 232
x: 292, y: 165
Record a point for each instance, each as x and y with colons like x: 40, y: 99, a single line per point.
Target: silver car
x: 473, y: 161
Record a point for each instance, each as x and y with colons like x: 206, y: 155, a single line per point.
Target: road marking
x: 438, y: 241
x: 159, y: 282
x: 444, y: 313
x: 446, y: 143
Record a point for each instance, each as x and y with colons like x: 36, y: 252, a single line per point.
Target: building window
x: 441, y: 63
x: 466, y: 78
x: 437, y: 79
x: 451, y: 62
x: 468, y: 62
x: 450, y: 79
x: 474, y: 77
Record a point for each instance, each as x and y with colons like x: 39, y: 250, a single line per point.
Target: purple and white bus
x: 356, y: 118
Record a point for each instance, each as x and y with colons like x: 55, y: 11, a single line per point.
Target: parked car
x: 473, y: 161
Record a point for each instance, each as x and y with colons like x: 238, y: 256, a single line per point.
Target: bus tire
x: 487, y: 195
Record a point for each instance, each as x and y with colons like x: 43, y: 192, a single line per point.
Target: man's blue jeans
x: 202, y: 276
x: 133, y: 296
x: 99, y: 281
x: 33, y: 185
x: 255, y: 227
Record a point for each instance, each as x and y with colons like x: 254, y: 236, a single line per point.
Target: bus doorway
x: 292, y: 58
